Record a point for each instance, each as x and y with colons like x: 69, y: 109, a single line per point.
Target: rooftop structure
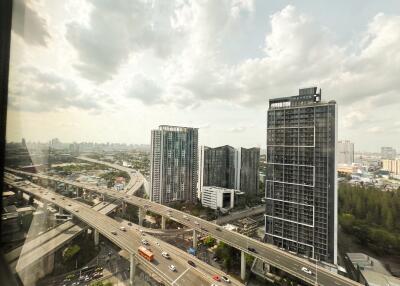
x: 368, y: 270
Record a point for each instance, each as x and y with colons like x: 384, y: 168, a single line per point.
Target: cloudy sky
x: 112, y: 70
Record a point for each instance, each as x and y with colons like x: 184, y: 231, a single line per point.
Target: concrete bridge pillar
x: 45, y: 208
x: 242, y: 265
x: 163, y: 220
x: 132, y: 269
x: 141, y: 215
x: 96, y: 237
x: 194, y: 239
x: 123, y: 208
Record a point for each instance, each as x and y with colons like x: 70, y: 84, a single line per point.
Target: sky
x: 112, y: 70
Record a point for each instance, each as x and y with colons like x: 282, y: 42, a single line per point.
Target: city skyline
x: 154, y: 74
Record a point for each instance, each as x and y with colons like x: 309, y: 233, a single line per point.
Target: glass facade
x: 300, y: 181
x: 174, y: 166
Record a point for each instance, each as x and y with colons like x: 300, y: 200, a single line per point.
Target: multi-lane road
x: 266, y: 252
x: 130, y: 240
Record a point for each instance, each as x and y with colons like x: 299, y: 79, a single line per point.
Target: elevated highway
x: 129, y: 240
x: 137, y: 180
x: 266, y: 252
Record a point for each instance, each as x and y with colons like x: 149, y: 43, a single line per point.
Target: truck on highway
x: 147, y: 254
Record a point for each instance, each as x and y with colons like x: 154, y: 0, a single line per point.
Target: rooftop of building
x: 306, y: 96
x: 219, y: 189
x: 373, y: 270
x: 247, y: 221
x: 175, y: 128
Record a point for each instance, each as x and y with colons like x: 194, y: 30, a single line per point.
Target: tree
x: 209, y: 241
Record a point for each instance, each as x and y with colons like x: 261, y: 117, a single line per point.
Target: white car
x: 225, y: 279
x: 172, y: 268
x: 196, y: 223
x: 145, y: 242
x: 306, y: 270
x: 122, y: 228
x: 165, y: 254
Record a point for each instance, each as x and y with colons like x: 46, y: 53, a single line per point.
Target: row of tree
x: 371, y: 216
x: 369, y: 204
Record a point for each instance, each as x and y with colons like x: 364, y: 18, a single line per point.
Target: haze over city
x: 81, y: 71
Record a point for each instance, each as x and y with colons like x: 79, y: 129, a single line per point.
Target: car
x: 145, y: 242
x: 53, y: 198
x: 172, y: 268
x: 157, y: 243
x: 306, y: 270
x: 114, y: 232
x: 129, y: 223
x: 225, y: 279
x: 191, y: 263
x: 216, y: 278
x: 165, y: 254
x: 186, y: 217
x: 218, y: 228
x: 195, y: 222
x: 69, y: 205
x: 76, y: 210
x: 122, y: 228
x: 251, y: 249
x: 99, y: 269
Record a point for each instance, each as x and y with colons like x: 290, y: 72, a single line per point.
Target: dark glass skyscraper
x: 301, y: 188
x: 174, y: 164
x: 249, y: 165
x: 230, y: 168
x: 219, y: 166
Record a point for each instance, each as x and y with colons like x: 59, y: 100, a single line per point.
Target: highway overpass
x: 129, y: 240
x: 268, y: 253
x: 137, y: 180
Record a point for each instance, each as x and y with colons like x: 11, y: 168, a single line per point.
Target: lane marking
x: 183, y: 273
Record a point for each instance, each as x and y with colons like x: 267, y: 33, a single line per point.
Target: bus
x: 144, y: 252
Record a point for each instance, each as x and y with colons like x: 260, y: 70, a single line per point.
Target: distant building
x: 301, y: 184
x: 227, y: 167
x: 345, y: 152
x: 368, y: 270
x: 217, y: 198
x: 393, y: 166
x: 388, y: 153
x: 74, y: 149
x: 248, y: 170
x: 174, y: 164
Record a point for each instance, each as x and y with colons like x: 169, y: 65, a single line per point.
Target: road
x: 266, y: 252
x: 239, y: 215
x: 130, y: 240
x: 49, y: 242
x: 136, y: 178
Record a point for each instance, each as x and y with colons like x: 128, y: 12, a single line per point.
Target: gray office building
x: 174, y: 164
x: 248, y: 170
x: 218, y: 166
x: 301, y: 188
x: 230, y: 168
x: 345, y: 152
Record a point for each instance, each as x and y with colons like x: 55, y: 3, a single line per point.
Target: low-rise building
x: 218, y: 198
x: 247, y: 226
x: 368, y: 270
x: 393, y: 166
